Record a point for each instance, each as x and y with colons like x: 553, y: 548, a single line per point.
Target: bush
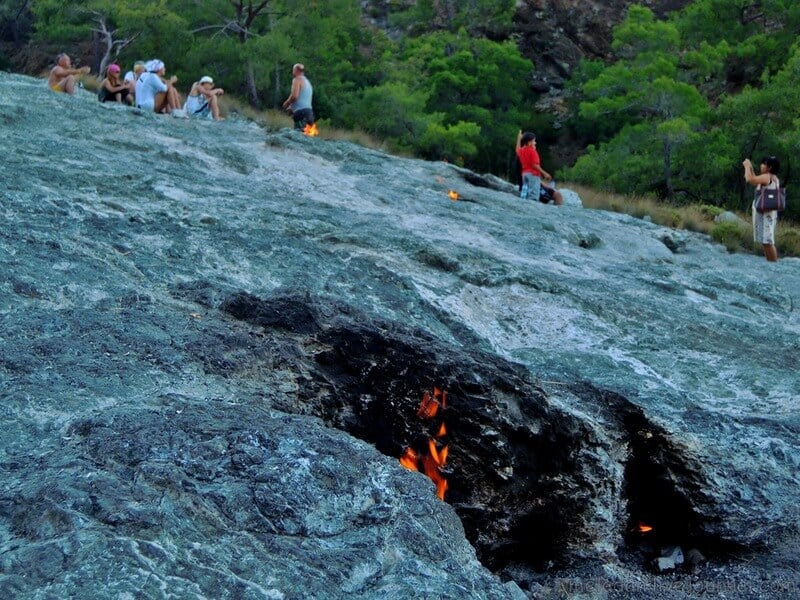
x: 734, y: 236
x: 787, y: 240
x: 709, y: 211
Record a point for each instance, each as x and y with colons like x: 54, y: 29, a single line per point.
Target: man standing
x: 299, y: 100
x: 63, y: 76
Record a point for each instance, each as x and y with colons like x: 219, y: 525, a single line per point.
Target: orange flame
x: 409, y: 459
x: 428, y: 407
x: 311, y: 130
x: 432, y: 462
x: 643, y: 528
x: 453, y: 195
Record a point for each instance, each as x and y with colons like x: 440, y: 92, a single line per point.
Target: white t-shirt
x: 147, y: 87
x: 129, y: 76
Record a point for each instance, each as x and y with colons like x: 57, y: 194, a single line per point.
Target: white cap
x: 154, y: 66
x: 206, y: 79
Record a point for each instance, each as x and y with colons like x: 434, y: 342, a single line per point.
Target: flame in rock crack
x: 431, y: 463
x: 409, y: 459
x: 644, y: 528
x: 453, y: 195
x: 429, y: 406
x: 311, y: 130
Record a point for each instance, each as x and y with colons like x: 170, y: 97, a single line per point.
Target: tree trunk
x: 250, y: 85
x: 276, y: 96
x: 668, y: 168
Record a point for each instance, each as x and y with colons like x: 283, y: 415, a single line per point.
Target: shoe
x: 179, y: 113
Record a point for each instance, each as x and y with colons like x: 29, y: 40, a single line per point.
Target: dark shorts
x: 546, y: 194
x: 303, y: 117
x: 105, y: 96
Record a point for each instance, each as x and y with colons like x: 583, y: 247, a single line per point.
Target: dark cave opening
x: 516, y: 468
x: 664, y: 492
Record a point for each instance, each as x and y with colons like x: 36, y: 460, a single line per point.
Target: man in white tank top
x: 299, y: 100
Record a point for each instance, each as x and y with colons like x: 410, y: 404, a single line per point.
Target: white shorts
x: 764, y: 226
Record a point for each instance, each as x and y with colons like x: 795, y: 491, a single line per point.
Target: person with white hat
x: 155, y: 92
x: 202, y: 101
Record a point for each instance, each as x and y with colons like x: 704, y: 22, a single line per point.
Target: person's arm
x: 210, y: 93
x: 751, y: 177
x: 113, y: 88
x: 545, y: 173
x: 297, y: 84
x: 62, y: 72
x: 519, y: 139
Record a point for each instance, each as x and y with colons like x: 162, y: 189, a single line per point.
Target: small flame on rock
x: 311, y: 130
x: 644, y: 528
x: 453, y: 195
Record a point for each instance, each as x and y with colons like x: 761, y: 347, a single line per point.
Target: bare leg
x: 771, y: 252
x: 160, y: 102
x: 68, y: 84
x: 214, y: 103
x: 558, y: 199
x: 173, y: 98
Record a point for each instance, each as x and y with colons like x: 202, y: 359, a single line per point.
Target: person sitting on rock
x: 549, y: 194
x: 154, y: 92
x: 63, y: 77
x: 132, y: 76
x: 202, y: 101
x: 111, y: 88
x: 532, y: 170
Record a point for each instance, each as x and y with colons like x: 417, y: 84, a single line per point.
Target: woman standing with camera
x: 764, y: 222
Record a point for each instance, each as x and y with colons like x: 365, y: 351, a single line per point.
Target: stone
x: 211, y: 363
x: 729, y: 217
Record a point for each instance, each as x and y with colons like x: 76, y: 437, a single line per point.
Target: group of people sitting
x: 146, y: 87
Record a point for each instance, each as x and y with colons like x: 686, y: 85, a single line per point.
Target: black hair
x: 527, y: 137
x: 772, y: 163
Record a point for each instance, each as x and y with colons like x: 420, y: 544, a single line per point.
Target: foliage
x: 474, y: 84
x: 735, y: 236
x: 677, y: 112
x: 672, y: 114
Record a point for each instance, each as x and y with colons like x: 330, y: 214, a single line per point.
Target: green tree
x: 642, y: 104
x: 473, y: 81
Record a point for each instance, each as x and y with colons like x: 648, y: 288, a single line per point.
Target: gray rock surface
x: 171, y: 290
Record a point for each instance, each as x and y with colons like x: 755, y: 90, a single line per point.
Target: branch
x: 22, y: 7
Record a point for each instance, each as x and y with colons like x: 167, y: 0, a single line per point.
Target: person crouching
x: 203, y: 100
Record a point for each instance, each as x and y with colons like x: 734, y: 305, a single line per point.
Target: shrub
x: 787, y: 240
x: 734, y: 236
x: 667, y: 216
x: 709, y: 211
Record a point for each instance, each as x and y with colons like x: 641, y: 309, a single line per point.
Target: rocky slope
x: 217, y: 342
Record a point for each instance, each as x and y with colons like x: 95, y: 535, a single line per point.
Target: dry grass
x: 273, y: 120
x: 736, y: 237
